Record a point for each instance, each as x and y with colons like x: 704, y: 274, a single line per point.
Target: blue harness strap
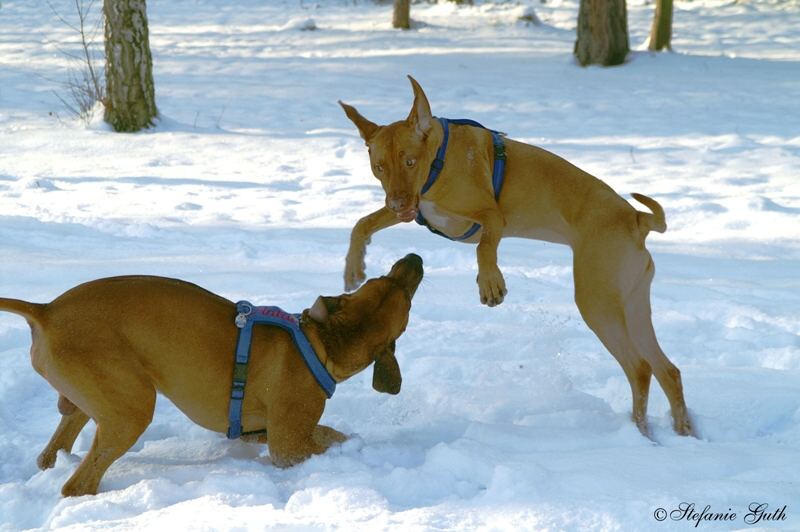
x: 247, y: 317
x: 498, y: 170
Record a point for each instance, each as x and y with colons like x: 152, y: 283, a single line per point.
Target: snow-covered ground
x: 510, y: 418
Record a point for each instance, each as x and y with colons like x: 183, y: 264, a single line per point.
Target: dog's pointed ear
x: 320, y: 310
x: 386, y: 376
x: 420, y: 116
x: 365, y: 127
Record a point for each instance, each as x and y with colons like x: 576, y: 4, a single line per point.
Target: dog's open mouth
x: 408, y: 216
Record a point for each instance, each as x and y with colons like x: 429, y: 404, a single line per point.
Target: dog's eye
x: 411, y: 162
x: 378, y: 169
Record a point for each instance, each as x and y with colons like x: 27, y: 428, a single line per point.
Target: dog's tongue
x: 407, y: 216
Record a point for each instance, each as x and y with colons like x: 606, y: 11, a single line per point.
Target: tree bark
x: 602, y: 33
x: 402, y: 17
x: 130, y: 92
x: 661, y: 31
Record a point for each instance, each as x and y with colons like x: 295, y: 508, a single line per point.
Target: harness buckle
x: 245, y: 309
x: 239, y: 374
x: 438, y: 164
x: 500, y: 151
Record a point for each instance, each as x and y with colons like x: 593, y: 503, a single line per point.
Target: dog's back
x: 163, y: 334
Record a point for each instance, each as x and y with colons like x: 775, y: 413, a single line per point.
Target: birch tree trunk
x: 602, y: 33
x: 401, y: 17
x: 661, y: 31
x: 130, y: 98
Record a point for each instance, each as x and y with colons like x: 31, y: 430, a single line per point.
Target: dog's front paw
x: 326, y: 436
x: 354, y: 272
x: 492, y: 287
x: 47, y: 459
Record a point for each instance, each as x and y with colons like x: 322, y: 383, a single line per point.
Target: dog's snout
x: 408, y: 271
x: 399, y: 202
x: 403, y: 204
x: 410, y: 263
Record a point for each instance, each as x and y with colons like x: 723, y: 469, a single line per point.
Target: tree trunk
x: 602, y: 33
x: 402, y: 17
x: 130, y: 98
x: 661, y: 32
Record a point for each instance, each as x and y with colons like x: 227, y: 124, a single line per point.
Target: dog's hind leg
x: 598, y: 295
x: 64, y: 437
x: 643, y: 336
x: 606, y: 318
x: 122, y: 405
x: 642, y: 374
x: 614, y: 299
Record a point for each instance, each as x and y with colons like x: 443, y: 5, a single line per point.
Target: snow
x: 510, y: 418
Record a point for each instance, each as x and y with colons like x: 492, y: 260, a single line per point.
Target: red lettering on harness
x: 275, y: 312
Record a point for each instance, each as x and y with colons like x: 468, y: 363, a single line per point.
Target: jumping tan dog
x: 108, y: 346
x: 544, y: 197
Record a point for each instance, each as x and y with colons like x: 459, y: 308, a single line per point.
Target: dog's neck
x: 433, y: 138
x: 312, y: 331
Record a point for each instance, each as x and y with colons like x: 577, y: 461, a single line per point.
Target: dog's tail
x: 650, y: 222
x: 30, y: 311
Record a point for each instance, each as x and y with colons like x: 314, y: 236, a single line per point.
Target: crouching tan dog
x: 109, y: 345
x: 450, y: 177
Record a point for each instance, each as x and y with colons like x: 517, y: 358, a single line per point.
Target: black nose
x: 413, y: 258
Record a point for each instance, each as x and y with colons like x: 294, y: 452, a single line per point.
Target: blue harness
x: 498, y: 170
x: 247, y: 316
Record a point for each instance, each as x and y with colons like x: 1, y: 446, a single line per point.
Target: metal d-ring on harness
x: 498, y: 170
x: 247, y: 316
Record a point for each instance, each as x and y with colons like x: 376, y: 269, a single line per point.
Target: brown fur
x: 109, y: 345
x: 544, y: 197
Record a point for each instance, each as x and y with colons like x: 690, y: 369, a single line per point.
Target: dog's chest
x: 442, y: 220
